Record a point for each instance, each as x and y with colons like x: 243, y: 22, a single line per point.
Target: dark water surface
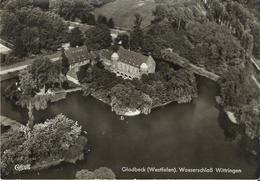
x: 173, y: 136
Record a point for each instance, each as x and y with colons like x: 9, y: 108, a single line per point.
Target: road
x: 255, y: 62
x: 255, y: 80
x: 22, y: 65
x: 8, y: 44
x: 69, y: 90
x: 54, y: 57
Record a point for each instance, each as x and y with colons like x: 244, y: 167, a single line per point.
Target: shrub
x: 100, y: 173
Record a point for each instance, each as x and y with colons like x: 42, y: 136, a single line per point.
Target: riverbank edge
x: 5, y: 121
x: 231, y: 116
x: 139, y: 112
x: 183, y: 62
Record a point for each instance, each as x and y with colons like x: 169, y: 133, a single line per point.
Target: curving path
x: 22, y: 65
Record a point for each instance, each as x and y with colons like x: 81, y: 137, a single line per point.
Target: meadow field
x: 122, y: 11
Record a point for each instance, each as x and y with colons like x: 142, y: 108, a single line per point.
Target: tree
x: 56, y: 139
x: 19, y: 49
x: 28, y: 85
x: 180, y: 16
x: 247, y: 42
x: 76, y: 37
x: 28, y: 98
x: 12, y: 5
x: 135, y: 99
x: 11, y: 25
x: 159, y: 13
x: 31, y: 30
x: 104, y: 173
x: 33, y: 82
x: 255, y: 30
x: 240, y: 96
x: 30, y: 40
x: 153, y: 45
x: 85, y: 174
x: 102, y: 20
x: 89, y: 19
x: 98, y: 37
x: 46, y: 73
x: 111, y: 23
x: 137, y: 35
x: 123, y: 39
x: 65, y: 65
x: 217, y: 10
x: 240, y: 12
x: 41, y: 4
x: 138, y: 21
x: 217, y: 50
x: 54, y: 136
x: 100, y: 173
x: 71, y: 9
x: 85, y: 74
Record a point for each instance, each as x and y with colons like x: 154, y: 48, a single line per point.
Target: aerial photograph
x: 130, y: 89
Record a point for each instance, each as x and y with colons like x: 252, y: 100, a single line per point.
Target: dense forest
x: 220, y: 36
x: 33, y: 29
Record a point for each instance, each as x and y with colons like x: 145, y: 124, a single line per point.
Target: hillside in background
x: 122, y: 11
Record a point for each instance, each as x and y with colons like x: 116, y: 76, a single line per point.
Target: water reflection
x: 231, y: 130
x: 187, y: 135
x: 250, y: 149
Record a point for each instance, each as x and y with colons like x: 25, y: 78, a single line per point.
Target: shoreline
x: 137, y: 112
x: 231, y: 116
x: 184, y: 63
x: 8, y: 122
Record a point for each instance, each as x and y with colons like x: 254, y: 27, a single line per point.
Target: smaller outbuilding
x: 4, y: 52
x: 77, y: 56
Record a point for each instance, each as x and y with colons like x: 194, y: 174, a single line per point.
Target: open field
x: 122, y: 11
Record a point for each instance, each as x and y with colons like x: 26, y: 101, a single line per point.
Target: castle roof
x: 78, y: 54
x: 105, y: 53
x: 129, y: 57
x: 4, y: 49
x: 114, y: 55
x: 132, y: 58
x: 144, y: 66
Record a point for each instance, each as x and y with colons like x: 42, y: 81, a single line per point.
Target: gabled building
x: 4, y: 52
x: 77, y: 56
x: 127, y: 64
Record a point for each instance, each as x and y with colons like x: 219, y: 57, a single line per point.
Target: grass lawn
x: 122, y: 11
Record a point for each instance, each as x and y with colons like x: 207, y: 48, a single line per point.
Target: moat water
x: 186, y: 135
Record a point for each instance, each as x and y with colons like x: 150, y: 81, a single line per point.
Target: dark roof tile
x: 77, y: 54
x: 131, y: 57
